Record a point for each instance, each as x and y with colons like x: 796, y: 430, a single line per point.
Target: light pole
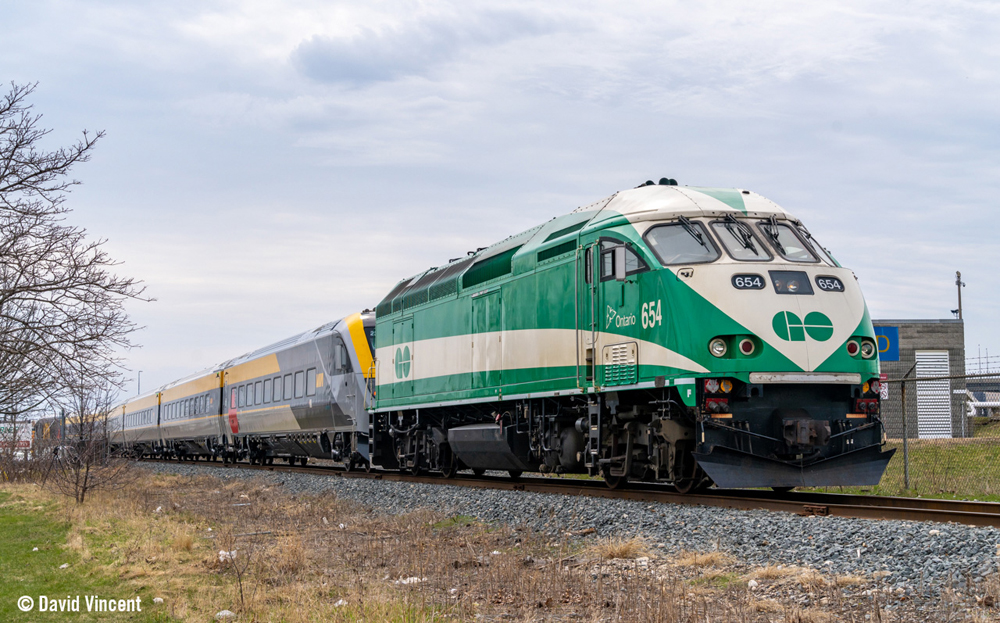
x: 959, y: 284
x: 138, y: 384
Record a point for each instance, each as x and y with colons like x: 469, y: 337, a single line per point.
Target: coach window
x: 243, y: 395
x: 288, y: 387
x: 277, y: 389
x: 311, y: 382
x: 345, y: 359
x: 684, y: 242
x: 232, y: 399
x: 258, y: 392
x: 299, y: 383
x: 267, y: 391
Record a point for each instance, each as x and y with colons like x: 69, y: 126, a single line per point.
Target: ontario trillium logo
x: 403, y: 362
x: 791, y: 328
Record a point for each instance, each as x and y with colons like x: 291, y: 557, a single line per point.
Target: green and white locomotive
x: 666, y: 333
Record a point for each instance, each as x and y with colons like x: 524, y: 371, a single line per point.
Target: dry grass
x: 705, y: 559
x: 614, y: 548
x: 306, y: 559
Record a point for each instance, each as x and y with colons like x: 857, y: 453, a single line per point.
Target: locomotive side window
x: 786, y: 242
x: 311, y: 382
x: 633, y: 263
x: 288, y: 387
x: 299, y: 383
x: 739, y: 241
x: 267, y: 391
x: 686, y: 242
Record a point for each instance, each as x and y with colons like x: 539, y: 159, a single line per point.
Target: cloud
x: 415, y: 49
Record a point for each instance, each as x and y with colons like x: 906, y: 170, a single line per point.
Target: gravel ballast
x: 919, y: 556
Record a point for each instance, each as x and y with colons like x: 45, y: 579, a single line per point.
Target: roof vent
x: 666, y: 181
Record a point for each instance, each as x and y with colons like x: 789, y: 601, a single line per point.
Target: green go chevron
x: 790, y: 327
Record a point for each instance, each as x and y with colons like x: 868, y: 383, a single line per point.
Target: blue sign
x: 887, y: 339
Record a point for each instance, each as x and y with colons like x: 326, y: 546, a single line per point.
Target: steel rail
x: 801, y: 503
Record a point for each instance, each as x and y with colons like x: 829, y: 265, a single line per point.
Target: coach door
x: 487, y: 347
x: 402, y: 358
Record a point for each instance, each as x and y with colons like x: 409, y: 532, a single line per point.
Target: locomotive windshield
x: 786, y: 242
x: 685, y: 242
x: 739, y: 241
x: 816, y: 247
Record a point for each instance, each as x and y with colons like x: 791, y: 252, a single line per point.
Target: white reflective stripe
x: 843, y: 378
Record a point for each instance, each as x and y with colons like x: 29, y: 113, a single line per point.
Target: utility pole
x: 959, y: 284
x: 138, y: 383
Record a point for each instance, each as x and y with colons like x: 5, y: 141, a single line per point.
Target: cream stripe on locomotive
x: 524, y: 349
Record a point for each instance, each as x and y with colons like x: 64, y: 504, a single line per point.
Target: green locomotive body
x: 666, y: 333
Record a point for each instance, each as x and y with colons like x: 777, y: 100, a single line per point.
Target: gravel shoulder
x: 913, y: 560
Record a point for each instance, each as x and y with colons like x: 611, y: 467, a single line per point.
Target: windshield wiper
x: 741, y: 233
x: 691, y: 229
x: 770, y: 228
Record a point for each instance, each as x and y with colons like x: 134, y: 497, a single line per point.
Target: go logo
x: 403, y: 362
x: 791, y: 328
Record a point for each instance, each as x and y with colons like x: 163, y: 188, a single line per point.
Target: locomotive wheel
x: 514, y: 473
x: 450, y: 469
x: 349, y: 465
x: 613, y: 482
x: 304, y: 461
x: 781, y: 489
x: 699, y: 482
x: 478, y: 472
x: 368, y: 467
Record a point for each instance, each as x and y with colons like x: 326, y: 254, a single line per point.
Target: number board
x: 829, y: 284
x: 748, y: 282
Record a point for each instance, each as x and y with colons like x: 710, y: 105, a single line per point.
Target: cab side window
x: 633, y: 263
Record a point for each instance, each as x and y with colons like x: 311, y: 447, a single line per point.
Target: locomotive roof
x: 644, y: 203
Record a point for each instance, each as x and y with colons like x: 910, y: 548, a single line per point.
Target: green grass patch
x: 25, y: 525
x: 457, y: 521
x: 961, y: 469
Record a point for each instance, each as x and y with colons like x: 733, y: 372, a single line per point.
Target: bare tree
x: 62, y: 313
x: 85, y: 462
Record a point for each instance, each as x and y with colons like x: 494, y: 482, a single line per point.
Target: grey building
x: 931, y: 348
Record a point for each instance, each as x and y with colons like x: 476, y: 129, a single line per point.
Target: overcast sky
x: 271, y: 166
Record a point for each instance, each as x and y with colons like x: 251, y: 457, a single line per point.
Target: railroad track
x: 800, y: 503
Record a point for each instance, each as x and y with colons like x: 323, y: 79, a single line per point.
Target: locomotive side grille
x: 620, y: 364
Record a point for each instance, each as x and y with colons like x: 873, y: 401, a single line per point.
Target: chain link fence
x: 945, y: 429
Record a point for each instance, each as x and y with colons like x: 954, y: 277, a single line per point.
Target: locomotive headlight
x: 793, y: 286
x: 711, y: 386
x: 867, y: 350
x: 717, y: 347
x: 852, y: 348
